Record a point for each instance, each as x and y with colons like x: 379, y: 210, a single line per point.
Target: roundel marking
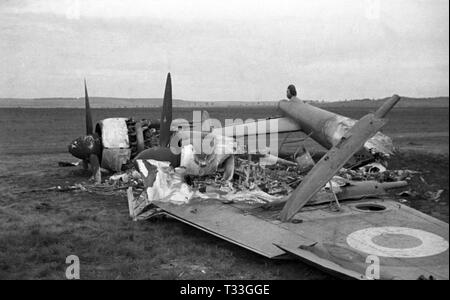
x: 401, y: 242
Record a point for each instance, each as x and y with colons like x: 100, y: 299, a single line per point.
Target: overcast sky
x: 243, y: 50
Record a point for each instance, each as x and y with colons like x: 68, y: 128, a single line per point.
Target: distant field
x: 50, y: 130
x: 107, y: 102
x: 40, y: 228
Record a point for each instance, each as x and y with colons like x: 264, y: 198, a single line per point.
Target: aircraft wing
x: 238, y: 129
x: 259, y: 127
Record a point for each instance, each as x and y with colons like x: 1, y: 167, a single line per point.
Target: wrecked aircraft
x: 117, y: 141
x: 317, y: 212
x: 114, y: 142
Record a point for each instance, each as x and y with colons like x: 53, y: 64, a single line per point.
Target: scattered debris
x: 373, y: 168
x: 191, y: 269
x: 408, y: 193
x: 434, y: 196
x: 68, y: 164
x: 304, y: 159
x: 253, y: 182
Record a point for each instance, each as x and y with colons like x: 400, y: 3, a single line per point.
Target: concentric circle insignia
x: 398, y: 242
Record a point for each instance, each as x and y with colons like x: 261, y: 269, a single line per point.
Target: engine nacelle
x: 120, y: 141
x: 115, y: 139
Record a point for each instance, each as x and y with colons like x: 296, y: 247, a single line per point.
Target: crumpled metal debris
x: 408, y: 193
x: 434, y: 196
x: 304, y: 159
x: 373, y: 168
x: 420, y: 189
x: 253, y: 182
x: 132, y: 176
x: 169, y: 185
x: 207, y: 163
x: 335, y: 184
x: 165, y: 184
x: 379, y: 143
x: 382, y: 176
x: 336, y: 127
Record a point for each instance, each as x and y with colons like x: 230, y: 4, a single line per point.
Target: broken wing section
x: 328, y: 128
x: 228, y: 222
x: 334, y: 160
x: 327, y: 132
x: 258, y: 127
x: 336, y: 128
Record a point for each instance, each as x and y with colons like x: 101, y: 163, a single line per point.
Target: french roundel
x: 400, y: 242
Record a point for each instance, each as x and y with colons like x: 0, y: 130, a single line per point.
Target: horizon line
x: 213, y: 101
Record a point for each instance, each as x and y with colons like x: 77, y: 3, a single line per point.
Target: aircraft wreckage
x: 332, y: 213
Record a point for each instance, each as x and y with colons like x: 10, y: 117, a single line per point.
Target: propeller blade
x: 89, y: 125
x: 166, y: 114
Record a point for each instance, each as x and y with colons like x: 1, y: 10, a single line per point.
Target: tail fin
x: 166, y: 114
x: 89, y: 125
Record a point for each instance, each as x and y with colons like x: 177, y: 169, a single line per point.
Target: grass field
x: 40, y: 229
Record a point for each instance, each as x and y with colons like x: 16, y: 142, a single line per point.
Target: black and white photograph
x: 223, y: 146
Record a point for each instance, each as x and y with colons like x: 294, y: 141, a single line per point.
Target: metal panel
x: 319, y: 235
x: 237, y: 226
x: 332, y: 230
x: 325, y: 169
x: 259, y: 127
x: 323, y: 264
x: 114, y: 133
